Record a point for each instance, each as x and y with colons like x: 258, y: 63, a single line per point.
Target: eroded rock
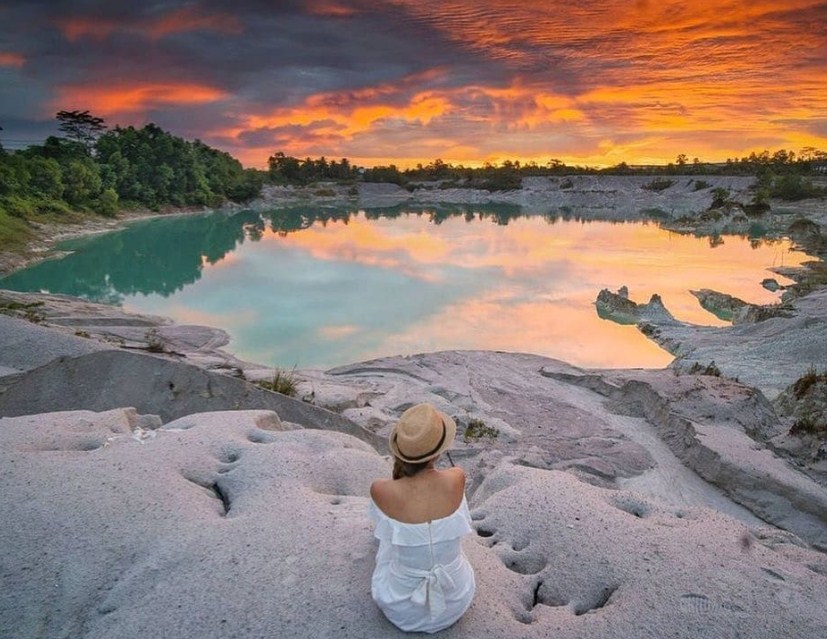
x: 111, y: 378
x: 245, y: 526
x: 617, y: 307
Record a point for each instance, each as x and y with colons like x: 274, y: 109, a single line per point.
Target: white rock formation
x: 235, y: 524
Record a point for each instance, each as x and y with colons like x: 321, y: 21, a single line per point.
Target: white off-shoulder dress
x: 422, y: 580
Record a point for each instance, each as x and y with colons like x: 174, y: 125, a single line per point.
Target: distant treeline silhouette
x: 781, y: 174
x: 94, y: 169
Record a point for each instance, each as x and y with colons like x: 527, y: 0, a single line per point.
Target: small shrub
x: 82, y: 334
x: 33, y: 317
x: 477, y: 429
x: 502, y: 182
x: 658, y: 184
x: 107, y: 203
x: 283, y: 382
x: 710, y: 369
x: 807, y: 381
x: 710, y: 215
x: 17, y: 206
x: 18, y: 306
x: 720, y: 198
x: 53, y: 207
x: 809, y: 424
x: 793, y: 187
x: 22, y: 309
x: 566, y: 184
x: 154, y: 342
x: 700, y: 185
x: 325, y: 193
x: 809, y: 394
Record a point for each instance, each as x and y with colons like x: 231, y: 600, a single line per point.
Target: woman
x: 422, y: 581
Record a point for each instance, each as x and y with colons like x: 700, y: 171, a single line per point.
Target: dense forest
x: 91, y: 168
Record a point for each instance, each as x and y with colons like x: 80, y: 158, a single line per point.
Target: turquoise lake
x: 319, y: 288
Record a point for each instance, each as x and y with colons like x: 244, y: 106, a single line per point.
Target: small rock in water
x: 770, y: 284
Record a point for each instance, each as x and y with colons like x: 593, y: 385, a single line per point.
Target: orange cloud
x: 352, y: 110
x: 75, y: 29
x: 329, y: 8
x: 183, y: 20
x: 134, y: 98
x: 336, y: 119
x: 191, y: 19
x: 590, y: 83
x: 8, y: 59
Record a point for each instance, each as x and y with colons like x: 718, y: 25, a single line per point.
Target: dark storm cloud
x: 267, y: 52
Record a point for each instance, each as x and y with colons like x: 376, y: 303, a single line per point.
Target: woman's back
x: 422, y: 580
x: 431, y: 494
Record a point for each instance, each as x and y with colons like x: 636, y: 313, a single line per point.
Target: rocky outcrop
x: 724, y: 307
x: 26, y: 345
x: 732, y: 309
x: 611, y: 197
x: 803, y: 406
x: 713, y: 426
x: 111, y: 379
x: 617, y: 307
x: 769, y: 348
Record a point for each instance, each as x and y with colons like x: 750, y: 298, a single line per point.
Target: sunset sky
x: 408, y: 81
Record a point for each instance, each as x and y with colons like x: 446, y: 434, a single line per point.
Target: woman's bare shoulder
x: 456, y: 475
x: 380, y: 489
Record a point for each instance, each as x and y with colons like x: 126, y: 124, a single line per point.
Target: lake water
x: 319, y: 288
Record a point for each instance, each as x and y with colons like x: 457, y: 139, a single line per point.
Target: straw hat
x: 421, y: 434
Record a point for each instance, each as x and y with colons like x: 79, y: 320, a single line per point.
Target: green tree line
x: 97, y: 170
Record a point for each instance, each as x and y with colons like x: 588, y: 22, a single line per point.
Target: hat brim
x: 447, y: 442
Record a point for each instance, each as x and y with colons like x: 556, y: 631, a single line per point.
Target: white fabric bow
x: 430, y: 592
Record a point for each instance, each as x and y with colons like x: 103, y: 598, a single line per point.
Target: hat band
x: 430, y: 452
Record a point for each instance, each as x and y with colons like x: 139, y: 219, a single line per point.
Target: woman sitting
x: 422, y: 580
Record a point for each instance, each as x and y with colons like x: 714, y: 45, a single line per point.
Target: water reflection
x: 159, y: 256
x: 316, y: 287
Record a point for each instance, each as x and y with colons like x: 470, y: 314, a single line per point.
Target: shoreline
x: 805, y: 223
x: 43, y: 246
x: 615, y: 198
